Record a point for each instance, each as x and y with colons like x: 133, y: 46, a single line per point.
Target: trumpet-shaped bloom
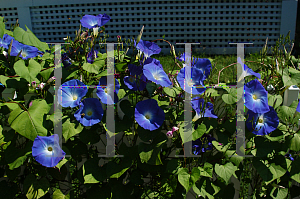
x: 256, y: 97
x: 71, y: 92
x: 90, y: 112
x: 91, y: 21
x: 148, y: 48
x: 247, y: 71
x: 263, y: 123
x: 105, y: 93
x: 46, y: 150
x: 27, y: 51
x: 5, y: 41
x: 149, y: 115
x: 92, y: 55
x: 136, y: 80
x: 154, y: 72
x: 205, y: 66
x: 202, y: 144
x: 198, y: 105
x: 197, y: 77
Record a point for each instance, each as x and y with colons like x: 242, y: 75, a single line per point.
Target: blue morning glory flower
x: 256, y: 97
x: 205, y: 66
x: 27, y: 51
x: 202, y: 144
x: 71, y: 92
x: 136, y: 80
x: 247, y: 71
x: 198, y: 105
x: 154, y: 72
x: 91, y: 21
x: 263, y: 123
x: 196, y: 80
x: 46, y: 150
x: 90, y: 112
x: 5, y: 41
x: 148, y: 48
x: 103, y: 93
x: 92, y: 55
x: 149, y: 115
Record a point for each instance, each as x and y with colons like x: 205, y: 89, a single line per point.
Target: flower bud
x: 169, y: 134
x: 50, y: 79
x: 33, y: 84
x: 175, y: 129
x: 5, y: 53
x: 41, y: 86
x: 95, y: 31
x: 30, y: 104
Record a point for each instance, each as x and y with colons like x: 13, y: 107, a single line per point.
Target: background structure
x: 214, y: 23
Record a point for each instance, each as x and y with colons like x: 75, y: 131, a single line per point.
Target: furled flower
x: 196, y: 80
x: 5, y: 41
x: 92, y: 55
x: 182, y: 57
x: 5, y: 53
x: 149, y: 115
x: 298, y: 107
x: 154, y: 72
x: 174, y: 128
x: 289, y: 156
x: 66, y: 60
x: 169, y: 134
x: 90, y: 112
x: 198, y: 105
x: 41, y: 85
x: 27, y: 51
x: 33, y: 84
x: 202, y: 144
x: 204, y: 65
x: 71, y: 92
x: 263, y: 123
x: 46, y: 150
x: 104, y: 93
x: 256, y: 97
x: 136, y: 80
x: 148, y: 48
x: 91, y: 21
x: 247, y: 71
x: 51, y: 79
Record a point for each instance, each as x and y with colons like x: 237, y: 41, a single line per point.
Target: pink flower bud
x: 33, y: 84
x: 169, y: 134
x: 174, y: 129
x: 41, y: 86
x: 30, y: 104
x: 50, y: 79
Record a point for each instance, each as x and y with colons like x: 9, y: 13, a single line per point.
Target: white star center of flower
x: 156, y: 77
x: 148, y: 116
x: 23, y: 54
x: 190, y: 84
